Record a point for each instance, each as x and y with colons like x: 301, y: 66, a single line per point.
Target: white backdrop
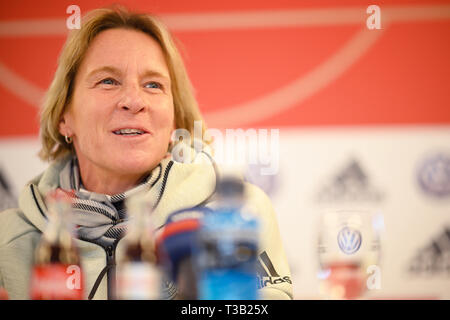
x: 375, y: 168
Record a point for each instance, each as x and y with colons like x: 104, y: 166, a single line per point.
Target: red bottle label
x: 3, y: 294
x: 56, y: 282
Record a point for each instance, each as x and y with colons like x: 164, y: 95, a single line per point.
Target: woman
x: 118, y: 93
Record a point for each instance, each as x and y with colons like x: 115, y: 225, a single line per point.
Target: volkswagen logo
x: 434, y: 176
x: 349, y: 240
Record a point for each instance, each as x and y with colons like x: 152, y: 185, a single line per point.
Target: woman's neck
x: 102, y: 181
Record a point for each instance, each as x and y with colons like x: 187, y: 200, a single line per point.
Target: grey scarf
x: 100, y: 218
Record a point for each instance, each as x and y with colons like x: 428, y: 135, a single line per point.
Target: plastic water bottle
x: 227, y: 246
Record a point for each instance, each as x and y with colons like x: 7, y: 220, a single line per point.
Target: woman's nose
x: 132, y: 100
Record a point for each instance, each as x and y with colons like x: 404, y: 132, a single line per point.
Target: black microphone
x: 174, y: 248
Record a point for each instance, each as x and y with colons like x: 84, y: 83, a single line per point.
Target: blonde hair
x: 61, y: 89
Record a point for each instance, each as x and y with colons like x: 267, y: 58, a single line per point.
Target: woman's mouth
x: 129, y: 132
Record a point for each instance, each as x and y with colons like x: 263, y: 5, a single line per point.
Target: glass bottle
x: 56, y: 272
x: 138, y: 275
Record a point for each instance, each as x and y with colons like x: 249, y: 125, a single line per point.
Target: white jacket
x: 186, y: 185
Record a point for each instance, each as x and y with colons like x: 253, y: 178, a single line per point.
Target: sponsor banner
x: 376, y: 169
x: 19, y: 162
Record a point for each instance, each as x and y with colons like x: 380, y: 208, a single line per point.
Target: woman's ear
x: 63, y: 126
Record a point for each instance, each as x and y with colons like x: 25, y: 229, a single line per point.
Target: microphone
x: 174, y: 249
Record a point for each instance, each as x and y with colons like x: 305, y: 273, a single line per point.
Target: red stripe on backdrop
x: 16, y: 118
x: 267, y: 76
x: 232, y: 67
x: 31, y: 9
x: 403, y: 79
x: 34, y: 58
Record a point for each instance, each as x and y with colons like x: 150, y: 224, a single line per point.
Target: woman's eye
x: 153, y: 85
x: 108, y: 81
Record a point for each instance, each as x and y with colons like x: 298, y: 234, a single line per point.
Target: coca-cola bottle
x: 56, y: 273
x: 3, y: 294
x: 138, y: 275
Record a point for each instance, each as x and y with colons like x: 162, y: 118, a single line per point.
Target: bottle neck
x: 140, y: 238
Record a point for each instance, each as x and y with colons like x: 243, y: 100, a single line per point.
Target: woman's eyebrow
x: 117, y: 72
x: 106, y: 69
x: 155, y: 73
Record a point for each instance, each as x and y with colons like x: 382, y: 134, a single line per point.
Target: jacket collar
x: 182, y: 185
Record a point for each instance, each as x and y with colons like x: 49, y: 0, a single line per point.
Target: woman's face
x: 121, y: 115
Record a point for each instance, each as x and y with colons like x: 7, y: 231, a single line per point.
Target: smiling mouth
x: 129, y: 132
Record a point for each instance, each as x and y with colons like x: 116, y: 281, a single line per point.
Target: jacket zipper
x: 111, y: 270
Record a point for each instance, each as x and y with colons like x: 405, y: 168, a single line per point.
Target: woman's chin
x: 135, y: 165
